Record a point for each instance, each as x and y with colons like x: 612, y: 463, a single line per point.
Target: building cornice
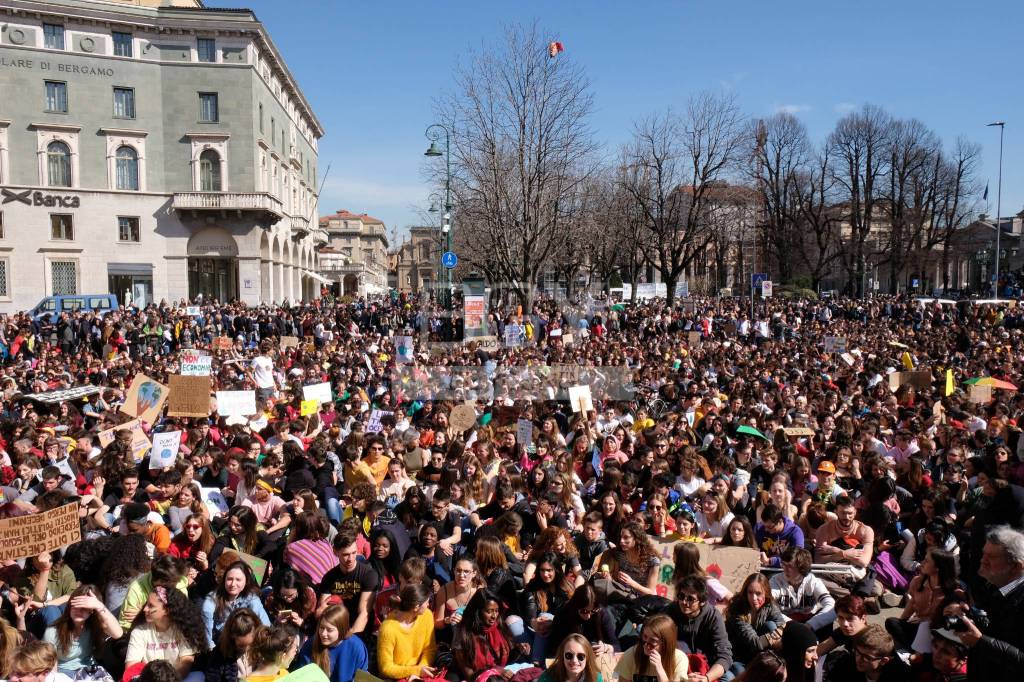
x: 124, y: 132
x: 60, y: 127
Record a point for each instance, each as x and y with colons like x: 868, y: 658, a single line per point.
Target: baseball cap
x: 827, y: 467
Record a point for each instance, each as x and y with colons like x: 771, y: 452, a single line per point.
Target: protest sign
x: 289, y: 342
x: 31, y: 535
x: 140, y: 442
x: 515, y: 335
x: 223, y: 343
x: 196, y: 363
x: 798, y: 431
x: 214, y: 500
x: 258, y: 566
x: 165, y: 449
x: 919, y: 380
x: 190, y: 396
x: 580, y: 398
x: 693, y: 338
x: 462, y: 417
x: 236, y: 403
x: 729, y: 328
x: 981, y: 395
x: 524, y: 432
x: 403, y: 350
x: 375, y: 425
x: 193, y: 311
x: 730, y: 565
x: 145, y: 399
x: 567, y: 339
x: 308, y: 407
x: 64, y: 394
x: 319, y: 392
x: 835, y: 344
x: 907, y: 360
x: 848, y: 359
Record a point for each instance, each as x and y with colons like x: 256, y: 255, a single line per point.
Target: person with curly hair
x: 125, y: 561
x: 633, y: 564
x: 173, y: 631
x: 559, y: 542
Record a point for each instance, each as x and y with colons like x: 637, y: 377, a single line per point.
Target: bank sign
x: 36, y: 198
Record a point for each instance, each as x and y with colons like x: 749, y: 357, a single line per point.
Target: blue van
x: 50, y: 308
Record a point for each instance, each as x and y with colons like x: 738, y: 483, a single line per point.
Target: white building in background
x: 355, y: 258
x: 155, y: 149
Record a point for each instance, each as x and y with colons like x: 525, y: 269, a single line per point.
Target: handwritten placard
x: 145, y: 399
x: 165, y: 449
x: 580, y: 398
x: 140, y: 442
x: 236, y: 403
x: 223, y: 343
x: 31, y: 535
x: 319, y: 392
x: 730, y: 565
x: 289, y: 342
x: 375, y: 425
x: 196, y: 363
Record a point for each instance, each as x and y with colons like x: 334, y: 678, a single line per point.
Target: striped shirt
x: 311, y: 557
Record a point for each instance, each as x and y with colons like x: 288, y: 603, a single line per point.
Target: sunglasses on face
x: 569, y: 656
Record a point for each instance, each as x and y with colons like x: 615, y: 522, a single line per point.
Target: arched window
x: 127, y: 168
x: 209, y: 171
x: 58, y: 164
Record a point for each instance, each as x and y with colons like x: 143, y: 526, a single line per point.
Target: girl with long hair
x: 548, y: 591
x: 483, y: 644
x: 583, y: 615
x: 713, y: 518
x: 236, y: 589
x: 451, y: 600
x: 173, y: 631
x: 290, y: 599
x: 241, y: 533
x: 575, y: 661
x: 739, y: 533
x: 330, y: 647
x: 925, y: 595
x: 633, y: 564
x: 385, y: 558
x: 477, y: 486
x: 80, y: 631
x: 558, y: 541
x: 194, y: 545
x: 186, y: 503
x: 405, y: 643
x: 686, y: 560
x: 228, y: 661
x: 128, y: 559
x: 613, y: 514
x: 655, y: 655
x: 754, y: 621
x: 494, y: 568
x: 308, y: 550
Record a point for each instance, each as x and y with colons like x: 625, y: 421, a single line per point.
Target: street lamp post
x: 999, y: 201
x: 434, y: 133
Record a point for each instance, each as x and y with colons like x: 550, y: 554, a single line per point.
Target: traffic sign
x: 449, y: 259
x: 766, y: 288
x: 756, y: 278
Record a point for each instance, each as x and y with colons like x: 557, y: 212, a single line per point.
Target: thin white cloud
x: 792, y: 109
x: 845, y: 107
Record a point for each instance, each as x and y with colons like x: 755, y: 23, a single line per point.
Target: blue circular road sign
x: 449, y: 259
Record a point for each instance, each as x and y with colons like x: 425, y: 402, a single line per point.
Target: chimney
x: 983, y: 216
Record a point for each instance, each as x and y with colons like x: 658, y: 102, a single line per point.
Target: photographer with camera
x: 992, y: 627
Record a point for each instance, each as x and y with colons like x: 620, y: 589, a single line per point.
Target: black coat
x: 999, y: 655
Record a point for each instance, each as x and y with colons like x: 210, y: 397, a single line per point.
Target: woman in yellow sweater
x: 405, y: 644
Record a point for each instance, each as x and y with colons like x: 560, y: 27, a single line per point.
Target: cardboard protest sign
x: 693, y: 338
x: 798, y: 431
x: 236, y: 403
x: 31, y: 535
x: 165, y: 449
x: 289, y: 342
x: 375, y: 425
x: 319, y: 392
x: 190, y: 396
x: 462, y: 417
x: 580, y: 398
x: 140, y: 442
x: 848, y: 359
x: 214, y: 500
x: 258, y: 566
x: 223, y: 343
x: 729, y: 328
x: 308, y: 407
x: 835, y: 344
x: 567, y: 339
x: 919, y: 380
x: 524, y: 432
x: 145, y: 399
x: 730, y: 565
x: 196, y: 363
x: 981, y: 395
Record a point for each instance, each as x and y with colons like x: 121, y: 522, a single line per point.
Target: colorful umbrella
x: 618, y: 307
x: 751, y: 431
x: 991, y: 381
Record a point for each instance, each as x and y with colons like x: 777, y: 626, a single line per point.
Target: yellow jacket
x: 404, y: 652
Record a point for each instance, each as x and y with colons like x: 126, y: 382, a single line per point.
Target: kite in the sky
x: 554, y: 48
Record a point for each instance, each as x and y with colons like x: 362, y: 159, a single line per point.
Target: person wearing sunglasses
x: 701, y: 628
x: 575, y: 661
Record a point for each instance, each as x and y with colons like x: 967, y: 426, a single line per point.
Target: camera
x: 956, y: 623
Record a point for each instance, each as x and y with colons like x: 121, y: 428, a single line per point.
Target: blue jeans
x: 333, y: 510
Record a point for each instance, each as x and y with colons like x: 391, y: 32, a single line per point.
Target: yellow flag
x: 908, y: 362
x: 950, y: 388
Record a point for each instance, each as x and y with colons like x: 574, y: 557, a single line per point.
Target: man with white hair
x: 996, y: 647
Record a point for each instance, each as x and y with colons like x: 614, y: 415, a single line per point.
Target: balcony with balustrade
x: 266, y: 207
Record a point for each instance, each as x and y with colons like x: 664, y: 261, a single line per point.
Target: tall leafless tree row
x: 535, y: 192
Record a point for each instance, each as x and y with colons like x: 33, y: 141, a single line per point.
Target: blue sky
x: 373, y: 69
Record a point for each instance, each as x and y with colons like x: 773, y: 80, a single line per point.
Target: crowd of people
x: 382, y: 531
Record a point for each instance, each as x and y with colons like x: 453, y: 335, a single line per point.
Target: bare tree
x: 671, y: 167
x: 819, y: 243
x: 958, y: 197
x: 780, y: 151
x: 857, y: 149
x: 521, y: 149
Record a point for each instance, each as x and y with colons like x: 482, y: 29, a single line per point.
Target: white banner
x: 321, y: 392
